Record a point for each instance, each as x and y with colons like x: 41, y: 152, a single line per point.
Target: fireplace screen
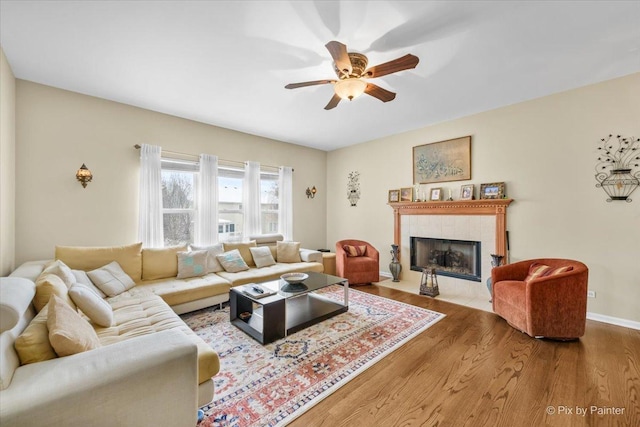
x: 455, y: 258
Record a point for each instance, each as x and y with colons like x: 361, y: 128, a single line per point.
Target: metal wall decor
x: 618, y: 167
x: 353, y: 188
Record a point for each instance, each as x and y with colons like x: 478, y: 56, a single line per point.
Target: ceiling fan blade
x: 380, y: 93
x: 340, y: 56
x: 404, y: 63
x: 303, y: 84
x: 333, y: 103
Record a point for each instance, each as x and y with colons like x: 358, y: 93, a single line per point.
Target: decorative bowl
x: 294, y: 278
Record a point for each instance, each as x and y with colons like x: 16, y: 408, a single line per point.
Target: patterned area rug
x: 272, y: 385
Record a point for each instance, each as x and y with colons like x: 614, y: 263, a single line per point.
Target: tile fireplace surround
x: 484, y: 221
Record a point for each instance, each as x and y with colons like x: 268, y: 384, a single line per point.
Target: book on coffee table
x: 257, y: 291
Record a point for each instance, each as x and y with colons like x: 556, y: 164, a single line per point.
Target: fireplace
x: 454, y: 258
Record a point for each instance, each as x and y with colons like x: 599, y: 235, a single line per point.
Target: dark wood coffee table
x: 289, y: 310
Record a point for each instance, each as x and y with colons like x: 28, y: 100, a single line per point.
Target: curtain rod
x: 138, y: 146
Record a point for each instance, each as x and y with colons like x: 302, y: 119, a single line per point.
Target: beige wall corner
x: 545, y: 150
x: 59, y: 130
x: 7, y: 165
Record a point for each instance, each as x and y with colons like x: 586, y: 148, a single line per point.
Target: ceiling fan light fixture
x: 350, y: 88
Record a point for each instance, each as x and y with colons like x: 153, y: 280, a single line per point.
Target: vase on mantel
x: 395, y: 267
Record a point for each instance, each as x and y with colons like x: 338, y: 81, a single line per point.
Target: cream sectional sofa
x: 146, y: 325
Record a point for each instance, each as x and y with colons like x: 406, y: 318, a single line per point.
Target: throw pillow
x: 262, y: 256
x: 213, y: 266
x: 288, y: 252
x: 33, y: 343
x: 243, y: 247
x: 111, y: 279
x: 61, y: 270
x: 68, y: 332
x: 48, y: 284
x: 354, y: 251
x: 96, y: 309
x: 232, y: 261
x: 537, y: 270
x: 161, y: 263
x: 192, y: 264
x: 83, y: 279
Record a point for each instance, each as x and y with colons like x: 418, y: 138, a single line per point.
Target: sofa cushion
x: 232, y: 261
x: 192, y: 264
x: 68, y: 332
x: 213, y: 265
x: 273, y: 272
x: 89, y: 258
x: 61, y: 270
x: 111, y: 279
x: 243, y: 248
x: 47, y: 285
x: 176, y: 291
x: 288, y: 252
x: 91, y: 304
x: 262, y: 256
x: 355, y: 251
x: 83, y: 279
x: 160, y: 263
x: 33, y: 343
x: 146, y: 314
x: 537, y: 270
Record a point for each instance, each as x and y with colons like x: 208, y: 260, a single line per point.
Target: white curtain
x: 206, y: 232
x: 285, y: 202
x: 251, y: 199
x: 150, y: 231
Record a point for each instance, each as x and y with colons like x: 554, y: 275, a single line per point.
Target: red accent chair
x: 359, y: 270
x: 552, y: 306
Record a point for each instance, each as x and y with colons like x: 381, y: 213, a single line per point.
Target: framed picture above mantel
x: 442, y: 161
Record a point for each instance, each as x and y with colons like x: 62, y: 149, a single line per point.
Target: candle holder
x: 429, y: 283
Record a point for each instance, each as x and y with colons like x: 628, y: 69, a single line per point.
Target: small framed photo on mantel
x: 466, y: 192
x: 406, y: 194
x: 493, y: 190
x: 435, y: 194
x: 394, y: 196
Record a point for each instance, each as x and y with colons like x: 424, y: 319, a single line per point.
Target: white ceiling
x: 226, y: 62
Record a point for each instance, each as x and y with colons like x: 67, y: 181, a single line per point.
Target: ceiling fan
x: 351, y: 69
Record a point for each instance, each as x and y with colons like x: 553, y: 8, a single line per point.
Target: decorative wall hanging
x: 618, y: 167
x: 353, y: 188
x: 442, y: 161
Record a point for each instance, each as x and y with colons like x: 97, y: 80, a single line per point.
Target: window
x: 179, y: 184
x: 269, y: 202
x: 229, y: 203
x: 179, y: 180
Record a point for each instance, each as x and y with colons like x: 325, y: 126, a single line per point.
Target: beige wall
x: 7, y: 166
x: 545, y: 151
x: 58, y: 130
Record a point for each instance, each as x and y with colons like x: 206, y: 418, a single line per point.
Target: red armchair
x: 542, y: 304
x: 359, y: 270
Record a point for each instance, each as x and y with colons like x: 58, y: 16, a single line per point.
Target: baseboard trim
x: 632, y: 324
x: 385, y: 274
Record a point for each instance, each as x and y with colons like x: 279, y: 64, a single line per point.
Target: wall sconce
x: 311, y: 192
x: 84, y: 175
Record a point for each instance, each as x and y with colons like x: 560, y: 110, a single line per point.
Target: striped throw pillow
x: 355, y: 250
x: 538, y: 270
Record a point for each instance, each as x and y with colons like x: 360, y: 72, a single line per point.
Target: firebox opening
x: 454, y: 258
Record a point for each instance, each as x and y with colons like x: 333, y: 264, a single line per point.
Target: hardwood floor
x: 472, y: 369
